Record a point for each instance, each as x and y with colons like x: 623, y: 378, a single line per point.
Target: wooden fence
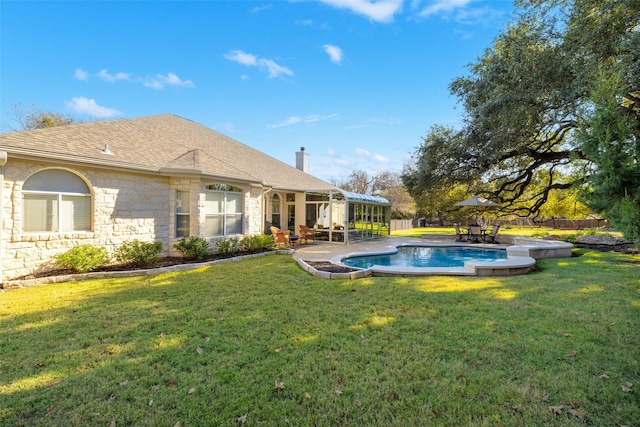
x: 564, y: 224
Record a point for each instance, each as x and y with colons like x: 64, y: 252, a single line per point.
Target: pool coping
x: 522, y: 254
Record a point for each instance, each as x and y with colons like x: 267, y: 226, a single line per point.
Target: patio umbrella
x: 478, y: 202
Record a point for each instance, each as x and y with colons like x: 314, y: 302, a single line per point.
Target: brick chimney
x: 302, y: 160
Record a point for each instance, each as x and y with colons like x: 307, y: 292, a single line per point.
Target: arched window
x: 55, y: 200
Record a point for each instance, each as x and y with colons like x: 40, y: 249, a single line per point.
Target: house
x: 157, y: 178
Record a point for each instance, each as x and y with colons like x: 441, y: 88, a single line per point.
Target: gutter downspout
x: 3, y: 161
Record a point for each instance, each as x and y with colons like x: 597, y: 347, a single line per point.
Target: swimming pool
x: 427, y: 256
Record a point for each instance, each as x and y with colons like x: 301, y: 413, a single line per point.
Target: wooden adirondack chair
x: 307, y: 234
x: 280, y: 237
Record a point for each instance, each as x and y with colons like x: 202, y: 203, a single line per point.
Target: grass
x: 260, y: 342
x: 512, y: 230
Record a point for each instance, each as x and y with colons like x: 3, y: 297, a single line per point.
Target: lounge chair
x: 307, y: 234
x: 460, y: 236
x: 280, y: 237
x: 491, y: 237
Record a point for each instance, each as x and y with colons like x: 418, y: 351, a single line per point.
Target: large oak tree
x: 552, y: 105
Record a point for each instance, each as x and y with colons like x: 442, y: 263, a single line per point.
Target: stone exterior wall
x: 254, y: 211
x: 126, y: 206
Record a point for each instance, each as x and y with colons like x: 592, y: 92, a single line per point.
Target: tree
x: 528, y: 99
x: 359, y: 182
x: 35, y: 118
x: 612, y: 142
x: 386, y: 184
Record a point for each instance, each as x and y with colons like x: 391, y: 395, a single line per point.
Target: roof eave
x: 45, y: 156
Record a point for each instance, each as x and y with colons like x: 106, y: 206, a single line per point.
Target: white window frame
x: 60, y: 222
x: 183, y: 212
x: 224, y: 215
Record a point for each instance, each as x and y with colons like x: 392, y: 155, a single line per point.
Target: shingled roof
x: 160, y: 144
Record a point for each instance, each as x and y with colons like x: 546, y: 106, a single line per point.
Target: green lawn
x: 512, y: 230
x: 260, y: 342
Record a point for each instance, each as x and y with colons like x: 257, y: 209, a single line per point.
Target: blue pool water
x: 425, y: 256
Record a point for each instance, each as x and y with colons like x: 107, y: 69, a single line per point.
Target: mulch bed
x: 331, y: 268
x: 162, y: 262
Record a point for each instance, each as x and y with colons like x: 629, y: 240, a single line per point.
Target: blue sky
x: 358, y: 83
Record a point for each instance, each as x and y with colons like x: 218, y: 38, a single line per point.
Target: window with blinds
x: 223, y: 212
x: 55, y: 201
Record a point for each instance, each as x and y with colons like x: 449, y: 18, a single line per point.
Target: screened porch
x: 342, y: 216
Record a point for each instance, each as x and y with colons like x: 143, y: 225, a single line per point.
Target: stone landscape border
x: 18, y: 284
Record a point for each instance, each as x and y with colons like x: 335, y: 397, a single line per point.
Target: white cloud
x: 251, y: 60
x: 363, y: 152
x: 274, y: 69
x: 334, y: 52
x: 443, y: 6
x: 331, y: 152
x: 80, y: 74
x: 317, y: 117
x: 481, y: 15
x: 460, y: 11
x: 336, y: 167
x: 261, y: 8
x: 380, y: 11
x: 88, y: 106
x: 158, y: 81
x: 104, y: 75
x: 304, y: 22
x: 286, y: 122
x: 295, y: 120
x: 241, y: 57
x: 171, y: 79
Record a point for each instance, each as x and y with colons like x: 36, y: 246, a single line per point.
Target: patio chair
x: 491, y: 237
x: 460, y: 236
x: 307, y: 234
x: 475, y: 233
x: 280, y: 237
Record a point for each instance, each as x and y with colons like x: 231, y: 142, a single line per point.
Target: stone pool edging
x: 521, y: 259
x: 26, y: 283
x: 353, y: 275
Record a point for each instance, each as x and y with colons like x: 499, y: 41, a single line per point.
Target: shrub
x: 571, y: 238
x: 139, y: 253
x: 539, y: 234
x: 256, y: 242
x: 227, y: 246
x: 83, y: 258
x: 193, y: 248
